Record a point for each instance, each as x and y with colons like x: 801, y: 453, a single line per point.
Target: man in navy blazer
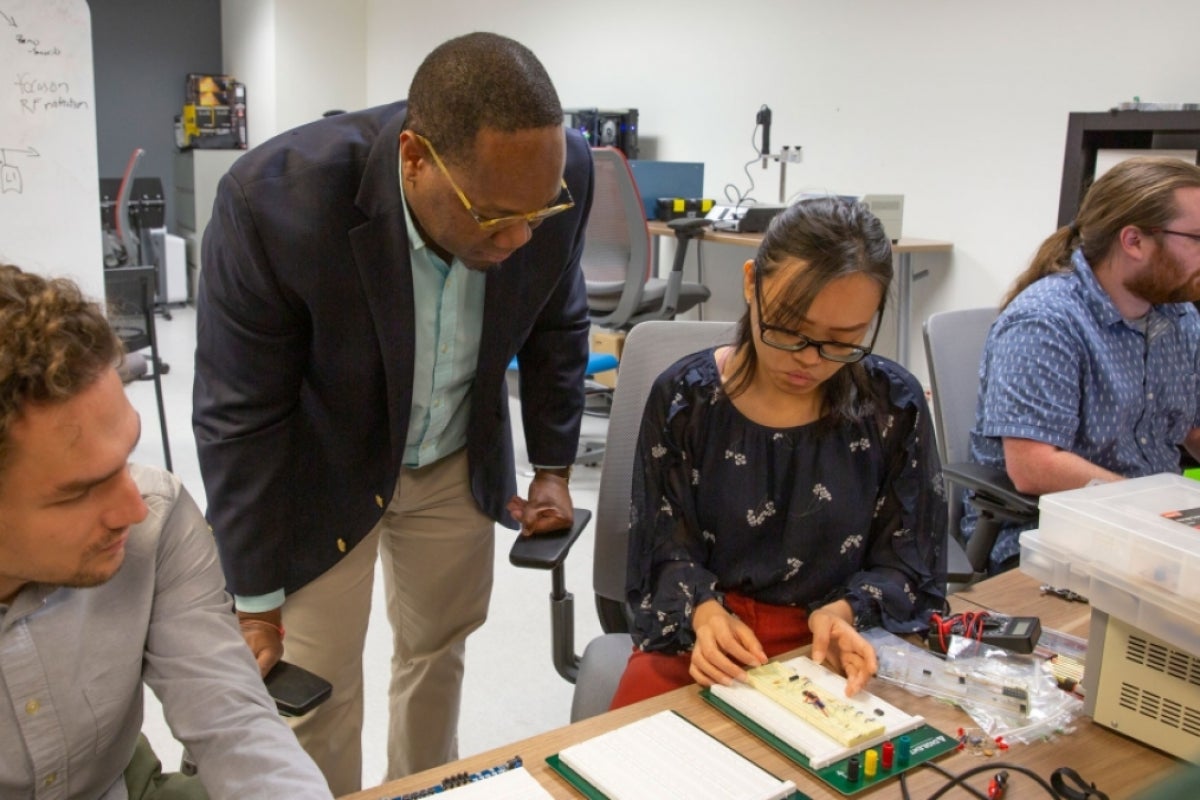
x: 366, y: 280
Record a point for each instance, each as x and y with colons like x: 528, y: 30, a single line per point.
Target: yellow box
x: 606, y: 341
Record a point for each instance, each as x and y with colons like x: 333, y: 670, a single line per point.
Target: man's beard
x: 1163, y: 281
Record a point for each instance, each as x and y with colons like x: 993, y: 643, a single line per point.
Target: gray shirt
x: 72, y: 663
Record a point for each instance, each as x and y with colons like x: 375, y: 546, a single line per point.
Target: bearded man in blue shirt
x: 1091, y: 371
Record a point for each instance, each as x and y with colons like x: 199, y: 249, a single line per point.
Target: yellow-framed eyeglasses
x: 533, y: 218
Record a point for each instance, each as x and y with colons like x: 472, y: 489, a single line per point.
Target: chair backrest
x: 130, y: 294
x: 954, y: 343
x: 616, y: 250
x: 650, y: 348
x: 954, y: 349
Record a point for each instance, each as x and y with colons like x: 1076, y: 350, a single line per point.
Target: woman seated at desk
x: 786, y: 488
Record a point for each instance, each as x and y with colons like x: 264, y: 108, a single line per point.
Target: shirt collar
x: 29, y: 599
x: 414, y: 236
x: 1097, y: 300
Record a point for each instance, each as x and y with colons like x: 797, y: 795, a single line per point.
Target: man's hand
x: 835, y: 640
x: 548, y: 508
x: 263, y: 633
x: 724, y: 645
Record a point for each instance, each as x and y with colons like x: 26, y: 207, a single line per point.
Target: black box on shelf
x: 603, y: 127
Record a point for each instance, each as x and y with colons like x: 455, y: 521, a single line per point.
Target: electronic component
x: 214, y: 113
x: 1015, y: 634
x: 834, y: 716
x: 970, y: 681
x: 997, y: 786
x: 295, y: 690
x: 889, y: 208
x: 669, y: 208
x: 603, y: 127
x: 744, y: 219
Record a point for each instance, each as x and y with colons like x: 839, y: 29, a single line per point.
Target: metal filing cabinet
x: 197, y: 173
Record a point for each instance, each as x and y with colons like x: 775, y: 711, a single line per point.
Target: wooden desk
x: 1117, y: 765
x: 903, y: 251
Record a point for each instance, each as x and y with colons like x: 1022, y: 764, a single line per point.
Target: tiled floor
x: 511, y: 690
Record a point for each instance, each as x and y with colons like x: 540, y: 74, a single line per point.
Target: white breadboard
x: 664, y: 756
x: 820, y: 749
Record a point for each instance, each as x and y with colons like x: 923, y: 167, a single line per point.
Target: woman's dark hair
x: 835, y: 238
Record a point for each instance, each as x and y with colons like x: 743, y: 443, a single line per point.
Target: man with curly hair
x: 109, y: 577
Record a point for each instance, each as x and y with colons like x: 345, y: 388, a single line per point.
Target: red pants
x: 778, y: 628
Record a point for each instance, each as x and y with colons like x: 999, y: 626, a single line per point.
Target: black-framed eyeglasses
x: 794, y: 342
x: 1195, y: 237
x: 533, y: 218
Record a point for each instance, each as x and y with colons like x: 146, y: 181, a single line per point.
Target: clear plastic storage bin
x: 1124, y: 527
x: 1050, y: 565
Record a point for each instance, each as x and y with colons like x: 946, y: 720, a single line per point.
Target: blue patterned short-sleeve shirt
x: 1062, y: 366
x: 801, y: 516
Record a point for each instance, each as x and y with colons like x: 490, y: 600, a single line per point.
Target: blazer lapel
x: 381, y: 253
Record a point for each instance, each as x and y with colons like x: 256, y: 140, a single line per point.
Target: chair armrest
x: 992, y: 488
x: 548, y: 550
x: 687, y: 227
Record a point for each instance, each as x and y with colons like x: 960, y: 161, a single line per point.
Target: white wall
x: 962, y: 107
x: 248, y: 53
x: 298, y: 59
x: 321, y: 58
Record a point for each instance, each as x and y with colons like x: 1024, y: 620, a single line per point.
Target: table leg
x: 903, y: 307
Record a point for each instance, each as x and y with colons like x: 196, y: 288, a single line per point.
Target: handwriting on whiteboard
x: 10, y: 173
x: 36, y: 92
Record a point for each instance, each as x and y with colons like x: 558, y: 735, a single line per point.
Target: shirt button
x: 341, y: 545
x: 379, y: 500
x: 1149, y: 395
x: 32, y: 707
x: 445, y: 348
x: 437, y: 403
x: 50, y: 779
x: 1143, y: 440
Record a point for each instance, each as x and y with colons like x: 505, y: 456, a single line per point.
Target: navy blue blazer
x: 305, y: 340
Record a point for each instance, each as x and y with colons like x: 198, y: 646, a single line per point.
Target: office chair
x: 617, y: 255
x: 597, y: 399
x: 130, y: 292
x: 650, y: 348
x: 954, y: 342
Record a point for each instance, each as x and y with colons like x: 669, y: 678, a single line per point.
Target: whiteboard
x: 49, y: 178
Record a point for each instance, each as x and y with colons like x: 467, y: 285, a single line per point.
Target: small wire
x: 957, y: 780
x: 732, y: 193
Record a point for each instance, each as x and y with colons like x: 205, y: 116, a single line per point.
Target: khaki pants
x: 436, y: 550
x: 144, y: 778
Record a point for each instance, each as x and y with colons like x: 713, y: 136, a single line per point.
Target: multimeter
x: 1015, y: 634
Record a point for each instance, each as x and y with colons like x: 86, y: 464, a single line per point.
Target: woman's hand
x: 835, y: 640
x: 724, y: 646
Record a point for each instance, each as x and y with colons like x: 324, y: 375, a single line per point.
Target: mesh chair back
x: 954, y: 343
x: 954, y: 350
x: 617, y: 242
x: 650, y: 347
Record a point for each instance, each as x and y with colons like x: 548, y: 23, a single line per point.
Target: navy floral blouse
x: 788, y: 516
